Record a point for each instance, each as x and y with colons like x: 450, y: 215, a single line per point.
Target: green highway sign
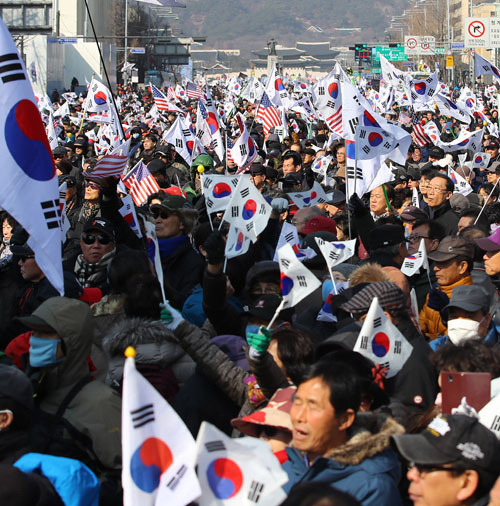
x: 439, y: 50
x: 391, y: 53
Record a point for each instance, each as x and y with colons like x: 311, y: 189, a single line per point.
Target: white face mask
x: 461, y: 330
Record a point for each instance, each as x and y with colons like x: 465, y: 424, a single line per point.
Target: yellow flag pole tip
x: 130, y: 352
x: 200, y: 169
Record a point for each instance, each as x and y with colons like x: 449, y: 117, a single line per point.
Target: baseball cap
x: 385, y: 235
x: 451, y: 247
x: 493, y: 144
x: 491, y: 243
x: 256, y: 169
x: 452, y: 438
x: 157, y: 165
x: 100, y: 224
x: 319, y: 224
x: 389, y: 295
x: 436, y: 152
x: 265, y: 306
x: 413, y: 213
x: 15, y: 385
x: 59, y: 150
x: 469, y: 298
x: 336, y: 197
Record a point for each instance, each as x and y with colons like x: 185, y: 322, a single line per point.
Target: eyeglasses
x: 160, y: 213
x: 25, y: 257
x: 416, y: 238
x: 58, y: 157
x: 424, y: 469
x: 91, y: 238
x: 93, y: 186
x: 437, y: 190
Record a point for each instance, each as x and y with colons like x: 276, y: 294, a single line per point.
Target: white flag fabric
x: 424, y: 89
x: 481, y: 160
x: 65, y: 224
x: 153, y: 245
x: 29, y: 189
x: 297, y: 281
x: 413, y: 263
x: 237, y: 243
x: 483, y: 67
x: 461, y: 185
x: 275, y: 89
x: 290, y: 235
x: 237, y: 472
x: 336, y: 252
x: 489, y: 415
x: 465, y: 140
x: 218, y: 190
x: 158, y: 451
x: 327, y: 98
x: 414, y: 197
x: 309, y: 198
x: 382, y: 342
x: 372, y: 142
x: 244, y: 151
x: 202, y: 128
x: 212, y: 120
x: 176, y: 136
x: 129, y: 215
x: 51, y: 133
x: 62, y: 111
x: 247, y: 210
x: 98, y: 97
x: 448, y: 108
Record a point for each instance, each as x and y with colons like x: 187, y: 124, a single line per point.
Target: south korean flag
x: 481, y: 160
x: 372, y: 142
x: 461, y: 185
x: 413, y: 263
x: 381, y: 341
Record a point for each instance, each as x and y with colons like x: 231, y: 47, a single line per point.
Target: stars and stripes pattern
x: 193, y: 90
x: 170, y: 93
x: 113, y: 164
x: 160, y: 99
x: 335, y: 121
x: 269, y: 115
x: 421, y: 138
x: 229, y: 146
x: 140, y: 183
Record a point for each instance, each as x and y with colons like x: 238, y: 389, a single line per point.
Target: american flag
x: 170, y: 93
x: 140, y: 183
x: 160, y: 99
x: 193, y: 90
x: 229, y: 146
x: 112, y: 164
x: 421, y: 138
x: 335, y: 121
x: 268, y: 114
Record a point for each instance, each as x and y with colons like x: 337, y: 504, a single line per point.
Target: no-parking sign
x: 477, y: 32
x: 419, y: 45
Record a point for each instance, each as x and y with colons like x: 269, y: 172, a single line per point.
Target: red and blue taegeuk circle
x: 221, y: 190
x: 149, y: 462
x: 239, y: 241
x: 100, y: 98
x: 224, y: 477
x: 333, y: 89
x: 212, y: 122
x: 278, y: 84
x: 380, y: 344
x: 374, y: 139
x: 27, y: 141
x: 369, y: 120
x: 249, y: 209
x: 286, y: 284
x: 420, y: 88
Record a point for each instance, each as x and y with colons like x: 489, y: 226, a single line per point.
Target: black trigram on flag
x: 409, y: 264
x: 289, y: 237
x: 255, y: 491
x: 208, y: 103
x: 235, y: 211
x: 302, y: 281
x: 362, y: 134
x: 243, y: 149
x: 249, y: 226
x: 206, y: 182
x: 200, y: 134
x: 186, y: 132
x: 142, y: 416
x: 52, y: 213
x: 245, y: 193
x: 215, y: 446
x: 174, y: 481
x: 321, y: 90
x: 366, y: 149
x: 330, y: 104
x: 495, y: 424
x: 397, y: 347
x: 285, y: 263
x: 364, y: 343
x: 333, y: 256
x: 430, y: 92
x: 234, y: 181
x: 354, y: 173
x: 414, y: 95
x: 377, y: 322
x: 387, y: 145
x: 262, y: 209
x: 179, y: 143
x: 209, y: 203
x: 11, y: 63
x: 385, y: 365
x: 353, y: 123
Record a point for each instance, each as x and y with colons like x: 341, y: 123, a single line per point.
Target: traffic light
x: 362, y: 52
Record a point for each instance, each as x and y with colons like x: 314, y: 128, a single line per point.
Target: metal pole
x: 126, y: 32
x: 448, y: 40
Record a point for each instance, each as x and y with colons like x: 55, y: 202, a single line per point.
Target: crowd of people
x: 344, y: 430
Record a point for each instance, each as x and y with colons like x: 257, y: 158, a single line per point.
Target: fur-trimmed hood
x: 370, y: 434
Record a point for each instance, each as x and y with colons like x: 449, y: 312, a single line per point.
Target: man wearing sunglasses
x: 454, y: 461
x: 98, y: 249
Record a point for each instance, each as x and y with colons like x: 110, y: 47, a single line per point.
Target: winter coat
x: 364, y: 466
x: 446, y: 217
x: 430, y: 319
x: 95, y: 410
x: 154, y: 345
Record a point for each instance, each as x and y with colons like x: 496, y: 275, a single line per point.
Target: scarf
x: 167, y: 246
x: 89, y: 210
x: 91, y: 275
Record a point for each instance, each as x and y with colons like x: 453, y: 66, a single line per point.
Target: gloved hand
x: 437, y: 299
x: 214, y: 246
x: 170, y: 317
x: 356, y: 206
x: 258, y: 343
x: 279, y: 205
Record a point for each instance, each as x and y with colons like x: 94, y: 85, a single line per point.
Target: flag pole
x: 103, y: 65
x: 279, y: 308
x: 485, y: 204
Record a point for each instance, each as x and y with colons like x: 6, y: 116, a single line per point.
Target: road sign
x: 419, y: 45
x: 391, y: 53
x: 67, y: 41
x: 477, y: 32
x: 457, y: 45
x: 137, y: 50
x: 449, y: 62
x: 439, y: 50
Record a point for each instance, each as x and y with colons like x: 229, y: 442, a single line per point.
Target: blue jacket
x: 364, y: 466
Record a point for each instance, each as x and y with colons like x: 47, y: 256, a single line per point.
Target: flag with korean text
x: 309, y: 198
x: 218, y: 190
x: 247, y: 210
x: 237, y: 471
x: 481, y: 160
x: 29, y: 189
x: 158, y: 451
x: 413, y: 263
x: 140, y: 183
x: 297, y: 281
x: 128, y: 213
x: 382, y: 342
